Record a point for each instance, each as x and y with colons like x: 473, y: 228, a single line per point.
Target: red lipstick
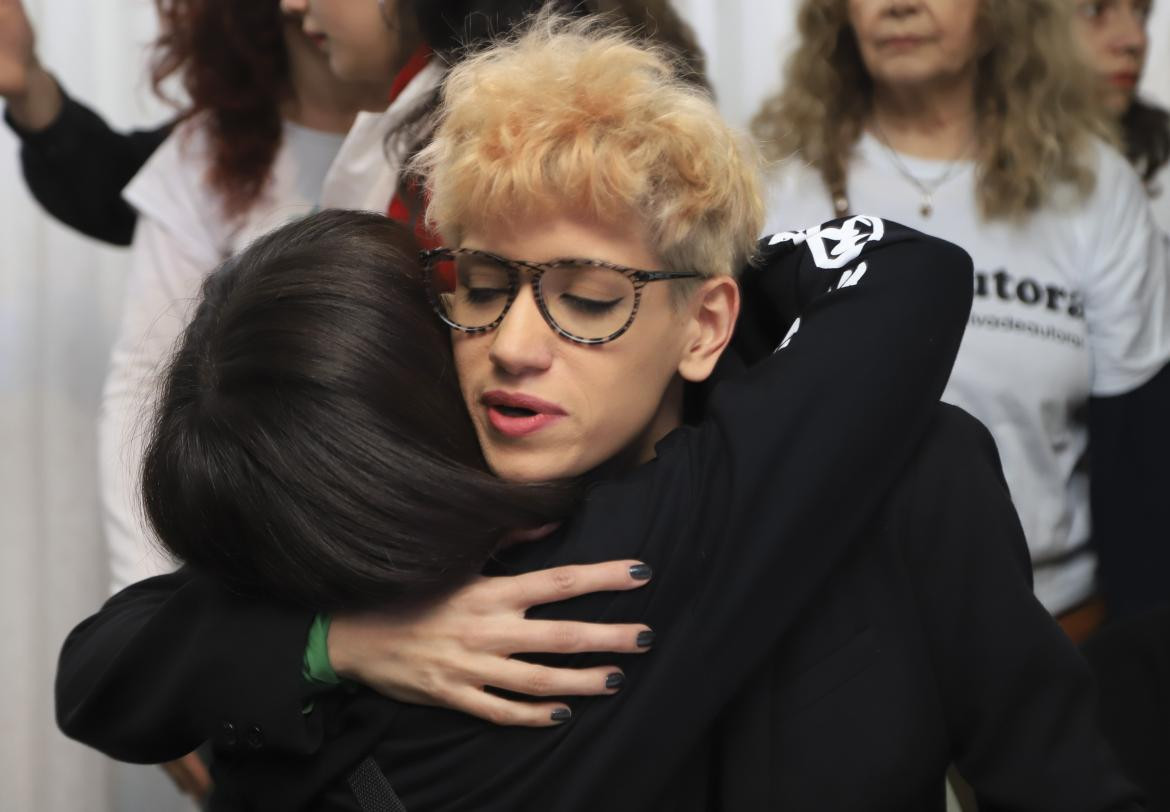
x: 516, y: 415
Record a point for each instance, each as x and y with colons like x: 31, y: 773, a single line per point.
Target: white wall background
x: 59, y: 296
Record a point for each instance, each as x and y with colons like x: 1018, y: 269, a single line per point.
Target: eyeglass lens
x: 583, y: 300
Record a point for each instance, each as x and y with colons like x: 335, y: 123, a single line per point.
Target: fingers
x: 538, y: 680
x: 562, y: 583
x: 509, y: 712
x: 573, y: 637
x: 200, y: 776
x: 190, y: 775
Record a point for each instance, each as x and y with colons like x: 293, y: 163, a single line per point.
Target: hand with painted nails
x: 447, y: 652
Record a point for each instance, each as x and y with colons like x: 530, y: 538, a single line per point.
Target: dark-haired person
x: 312, y: 407
x: 1113, y: 33
x: 1131, y: 440
x: 265, y: 121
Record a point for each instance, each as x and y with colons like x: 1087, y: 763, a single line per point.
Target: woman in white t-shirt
x: 973, y: 120
x: 1113, y: 33
x: 265, y: 120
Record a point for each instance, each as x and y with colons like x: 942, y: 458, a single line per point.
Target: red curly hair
x: 232, y: 59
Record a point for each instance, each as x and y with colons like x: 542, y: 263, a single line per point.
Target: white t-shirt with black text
x: 1071, y: 302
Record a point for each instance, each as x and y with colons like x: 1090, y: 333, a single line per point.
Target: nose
x: 294, y: 7
x: 522, y: 344
x: 903, y: 8
x: 1129, y: 35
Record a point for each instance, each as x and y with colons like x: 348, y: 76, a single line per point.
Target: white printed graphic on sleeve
x: 850, y: 240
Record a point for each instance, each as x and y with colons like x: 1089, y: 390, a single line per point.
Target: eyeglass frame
x: 536, y: 270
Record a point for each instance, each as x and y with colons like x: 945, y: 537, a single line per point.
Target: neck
x: 322, y: 102
x: 668, y: 418
x: 935, y: 122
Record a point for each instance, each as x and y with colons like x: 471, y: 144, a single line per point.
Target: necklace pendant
x: 927, y: 208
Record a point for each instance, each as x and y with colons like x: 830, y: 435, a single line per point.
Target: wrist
x: 39, y: 104
x: 336, y: 646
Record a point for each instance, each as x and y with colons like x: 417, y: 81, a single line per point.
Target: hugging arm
x: 178, y: 659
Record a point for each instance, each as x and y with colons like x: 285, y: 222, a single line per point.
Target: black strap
x: 372, y: 790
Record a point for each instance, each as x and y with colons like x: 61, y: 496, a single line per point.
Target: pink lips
x: 516, y: 415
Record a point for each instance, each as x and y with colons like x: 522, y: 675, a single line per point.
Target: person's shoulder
x: 796, y: 195
x: 957, y: 438
x: 841, y: 242
x: 172, y: 189
x: 1116, y: 184
x: 956, y: 458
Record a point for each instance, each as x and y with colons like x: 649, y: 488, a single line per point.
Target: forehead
x: 563, y: 234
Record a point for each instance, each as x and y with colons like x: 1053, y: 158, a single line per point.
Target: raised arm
x: 75, y: 165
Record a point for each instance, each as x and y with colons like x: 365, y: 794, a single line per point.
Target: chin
x: 534, y: 466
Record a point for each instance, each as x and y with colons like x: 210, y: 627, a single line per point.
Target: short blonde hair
x: 570, y: 113
x: 1036, y: 104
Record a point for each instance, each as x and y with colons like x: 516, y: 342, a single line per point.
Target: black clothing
x: 1131, y: 661
x: 78, y: 166
x: 760, y: 526
x: 1129, y: 454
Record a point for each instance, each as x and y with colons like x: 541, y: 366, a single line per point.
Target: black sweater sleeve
x: 176, y: 660
x: 77, y: 167
x: 1019, y: 700
x: 1130, y: 478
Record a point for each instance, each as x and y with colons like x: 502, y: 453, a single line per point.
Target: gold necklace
x: 926, y: 187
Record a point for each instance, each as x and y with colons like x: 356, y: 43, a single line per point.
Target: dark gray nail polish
x: 641, y: 572
x: 645, y: 639
x: 615, y: 681
x: 562, y: 715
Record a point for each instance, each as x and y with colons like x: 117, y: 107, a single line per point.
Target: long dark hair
x: 311, y: 440
x: 233, y: 64
x: 1146, y: 130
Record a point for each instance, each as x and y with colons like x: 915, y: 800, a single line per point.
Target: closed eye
x: 484, y: 295
x: 590, y: 307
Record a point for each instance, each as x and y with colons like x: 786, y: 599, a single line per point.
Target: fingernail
x: 641, y: 572
x: 645, y: 639
x: 562, y: 715
x: 615, y: 681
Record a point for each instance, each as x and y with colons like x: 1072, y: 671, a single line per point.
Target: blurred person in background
x: 1113, y: 34
x: 976, y: 121
x: 262, y: 123
x: 1131, y: 660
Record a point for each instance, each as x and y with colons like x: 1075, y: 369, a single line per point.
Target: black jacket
x: 783, y: 569
x: 78, y: 166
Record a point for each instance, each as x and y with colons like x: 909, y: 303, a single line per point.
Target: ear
x: 711, y: 314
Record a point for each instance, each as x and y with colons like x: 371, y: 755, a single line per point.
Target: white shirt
x: 181, y: 237
x: 1072, y: 302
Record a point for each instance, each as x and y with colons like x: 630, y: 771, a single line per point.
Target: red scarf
x: 399, y: 209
